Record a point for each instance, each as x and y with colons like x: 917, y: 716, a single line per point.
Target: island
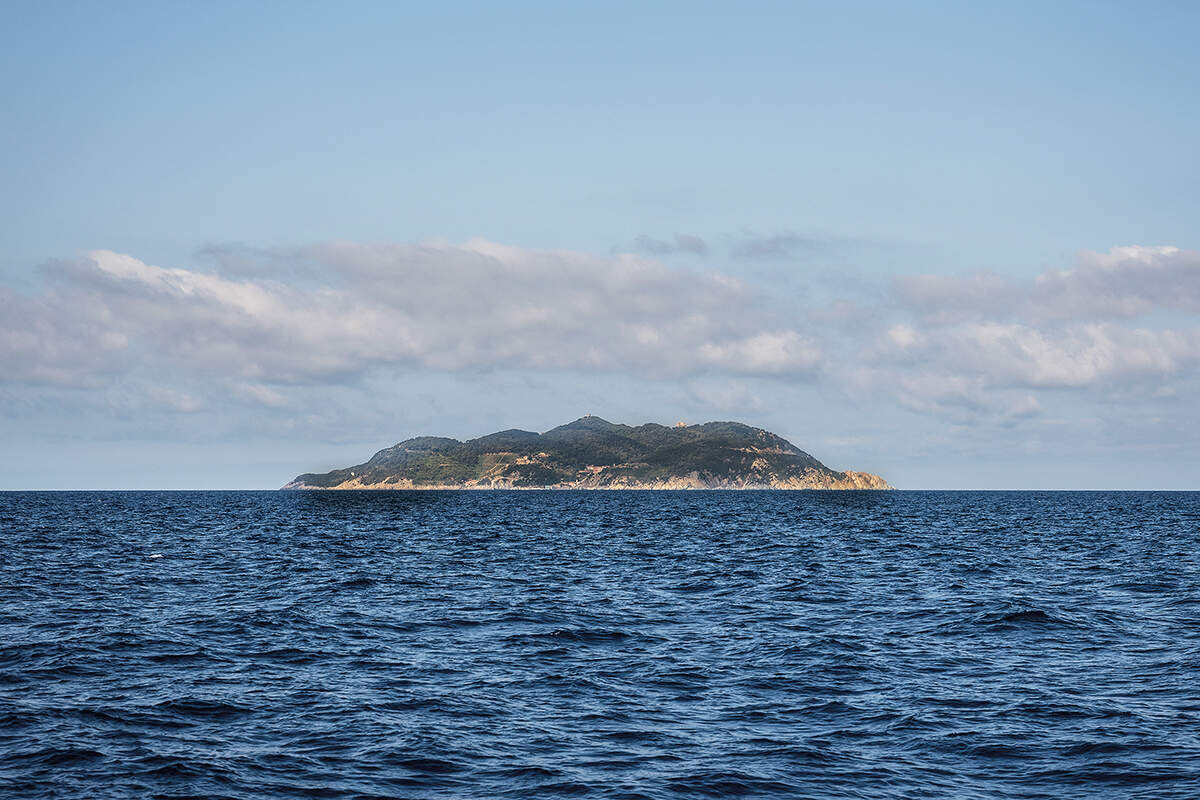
x: 592, y: 453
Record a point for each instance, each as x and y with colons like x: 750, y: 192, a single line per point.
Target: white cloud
x: 770, y: 353
x: 263, y: 395
x: 1075, y: 356
x: 1069, y: 329
x: 171, y: 399
x: 903, y: 336
x: 437, y: 306
x: 980, y: 347
x: 1122, y: 283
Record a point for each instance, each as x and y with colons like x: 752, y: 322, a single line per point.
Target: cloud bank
x: 980, y: 346
x: 1123, y: 283
x: 1121, y: 319
x: 478, y: 305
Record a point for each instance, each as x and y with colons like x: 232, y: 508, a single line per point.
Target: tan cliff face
x: 592, y: 479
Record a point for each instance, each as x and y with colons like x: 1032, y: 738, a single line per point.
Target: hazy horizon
x: 955, y: 247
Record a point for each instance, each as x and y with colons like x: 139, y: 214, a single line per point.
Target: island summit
x: 592, y: 453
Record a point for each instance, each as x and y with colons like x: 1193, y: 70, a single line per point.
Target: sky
x: 957, y: 245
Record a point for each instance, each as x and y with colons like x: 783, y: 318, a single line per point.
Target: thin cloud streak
x: 790, y: 245
x: 679, y: 243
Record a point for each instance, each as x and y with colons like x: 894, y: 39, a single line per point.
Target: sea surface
x: 599, y: 644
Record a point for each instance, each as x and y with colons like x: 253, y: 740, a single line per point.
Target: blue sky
x: 242, y: 243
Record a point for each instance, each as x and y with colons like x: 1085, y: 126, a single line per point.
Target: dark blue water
x: 632, y: 645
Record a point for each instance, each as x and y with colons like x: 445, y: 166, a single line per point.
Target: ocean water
x: 609, y: 645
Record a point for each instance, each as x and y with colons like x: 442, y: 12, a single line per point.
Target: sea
x: 600, y: 644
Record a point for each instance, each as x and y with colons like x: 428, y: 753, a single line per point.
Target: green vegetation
x: 594, y: 453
